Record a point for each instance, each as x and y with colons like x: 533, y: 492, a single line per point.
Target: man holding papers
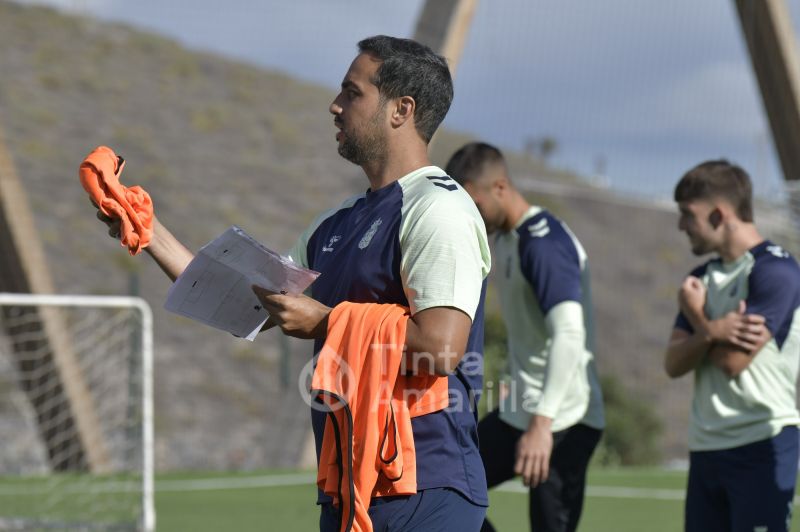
x: 414, y: 239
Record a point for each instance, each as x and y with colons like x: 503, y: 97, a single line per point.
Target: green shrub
x: 632, y: 429
x: 494, y: 361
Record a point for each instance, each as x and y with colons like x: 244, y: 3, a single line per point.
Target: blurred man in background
x: 551, y: 420
x: 414, y: 239
x: 738, y: 330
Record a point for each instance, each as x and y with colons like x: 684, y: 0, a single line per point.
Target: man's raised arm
x: 171, y: 256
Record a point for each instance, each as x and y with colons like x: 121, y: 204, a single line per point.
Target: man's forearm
x: 567, y: 348
x: 729, y: 360
x: 684, y: 354
x: 171, y: 256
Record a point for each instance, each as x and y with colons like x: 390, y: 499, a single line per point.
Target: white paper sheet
x: 215, y: 288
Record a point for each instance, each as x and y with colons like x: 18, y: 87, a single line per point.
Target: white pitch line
x: 617, y: 492
x: 235, y: 483
x: 308, y: 479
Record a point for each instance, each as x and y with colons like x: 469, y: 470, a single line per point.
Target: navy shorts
x: 746, y: 488
x: 432, y: 510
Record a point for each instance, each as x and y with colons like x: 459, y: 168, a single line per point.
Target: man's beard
x: 700, y: 248
x: 371, y: 145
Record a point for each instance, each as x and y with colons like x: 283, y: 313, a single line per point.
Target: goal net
x: 76, y: 413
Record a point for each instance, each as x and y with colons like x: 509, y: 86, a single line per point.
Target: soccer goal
x: 76, y: 413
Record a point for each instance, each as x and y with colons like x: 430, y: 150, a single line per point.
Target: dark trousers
x: 556, y: 504
x: 745, y: 488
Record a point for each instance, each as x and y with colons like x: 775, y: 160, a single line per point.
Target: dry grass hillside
x: 217, y: 142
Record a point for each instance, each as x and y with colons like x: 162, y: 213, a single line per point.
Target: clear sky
x: 650, y: 87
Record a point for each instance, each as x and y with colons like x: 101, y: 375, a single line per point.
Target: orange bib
x: 99, y: 174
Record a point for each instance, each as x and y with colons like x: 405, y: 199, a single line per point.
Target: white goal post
x: 76, y: 412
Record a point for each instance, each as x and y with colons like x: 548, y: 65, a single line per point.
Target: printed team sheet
x: 215, y: 288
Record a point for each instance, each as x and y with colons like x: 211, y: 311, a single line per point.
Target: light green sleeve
x: 566, y: 329
x: 299, y: 252
x: 445, y: 253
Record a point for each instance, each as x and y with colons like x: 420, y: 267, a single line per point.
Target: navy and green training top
x: 418, y: 242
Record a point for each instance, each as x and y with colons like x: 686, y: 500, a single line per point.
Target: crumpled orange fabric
x: 368, y: 444
x: 99, y: 174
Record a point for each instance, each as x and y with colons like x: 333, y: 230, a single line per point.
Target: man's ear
x: 500, y: 185
x: 403, y: 110
x: 715, y: 218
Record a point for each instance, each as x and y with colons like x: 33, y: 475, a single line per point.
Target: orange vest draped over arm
x: 368, y: 444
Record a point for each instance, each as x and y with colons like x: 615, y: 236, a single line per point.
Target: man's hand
x: 298, y: 316
x: 113, y: 224
x: 533, y: 452
x: 692, y: 298
x: 738, y: 338
x: 747, y: 332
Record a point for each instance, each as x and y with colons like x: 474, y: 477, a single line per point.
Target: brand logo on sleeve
x: 778, y: 252
x: 334, y: 239
x: 539, y: 229
x: 367, y: 238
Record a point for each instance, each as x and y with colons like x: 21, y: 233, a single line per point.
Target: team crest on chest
x: 367, y: 238
x: 334, y: 239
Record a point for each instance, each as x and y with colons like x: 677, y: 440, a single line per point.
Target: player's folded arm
x: 684, y: 351
x: 767, y: 297
x: 731, y: 360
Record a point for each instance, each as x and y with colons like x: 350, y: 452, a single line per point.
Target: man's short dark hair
x: 409, y: 68
x: 718, y: 180
x: 468, y: 163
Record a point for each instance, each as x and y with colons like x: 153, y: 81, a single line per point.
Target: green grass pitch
x: 627, y: 500
x: 624, y: 500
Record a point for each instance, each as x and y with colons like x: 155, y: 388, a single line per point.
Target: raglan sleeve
x: 551, y: 263
x: 773, y: 293
x: 444, y: 253
x: 299, y: 251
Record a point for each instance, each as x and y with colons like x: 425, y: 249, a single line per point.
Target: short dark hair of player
x: 412, y: 69
x: 718, y: 179
x: 468, y: 163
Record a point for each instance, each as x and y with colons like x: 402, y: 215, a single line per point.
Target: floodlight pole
x: 443, y: 26
x: 771, y: 42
